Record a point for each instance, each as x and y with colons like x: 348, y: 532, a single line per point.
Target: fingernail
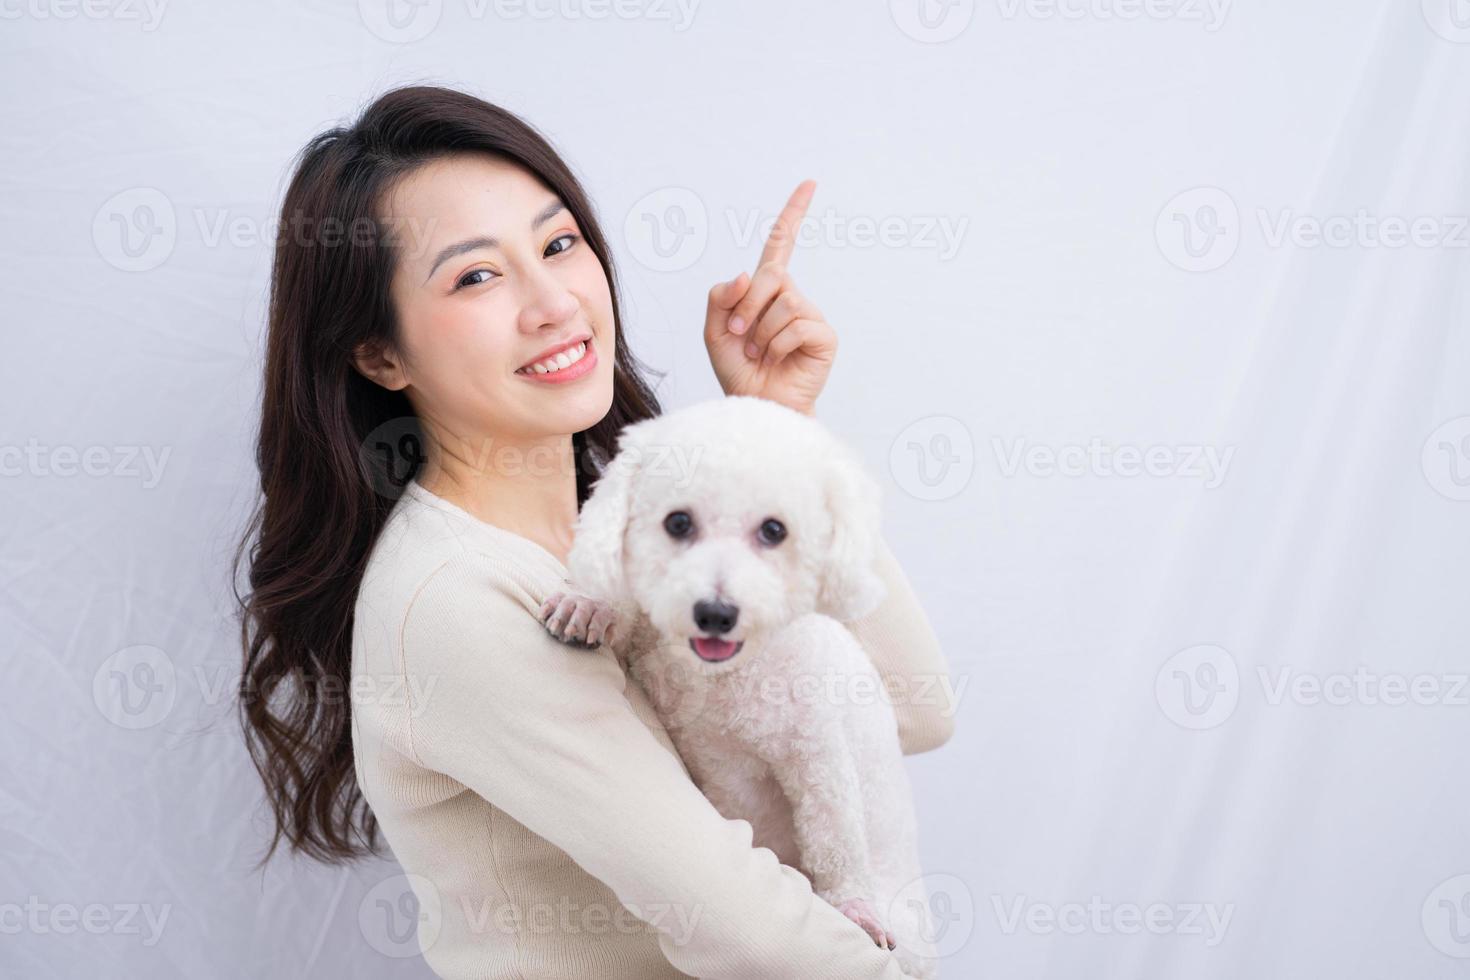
x: 737, y: 324
x: 751, y: 350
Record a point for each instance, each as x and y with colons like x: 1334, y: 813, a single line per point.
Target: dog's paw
x: 861, y: 911
x: 578, y: 620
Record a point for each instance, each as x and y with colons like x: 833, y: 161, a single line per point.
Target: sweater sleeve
x: 544, y: 732
x: 902, y: 645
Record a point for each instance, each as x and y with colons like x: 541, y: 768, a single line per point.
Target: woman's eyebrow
x: 485, y: 241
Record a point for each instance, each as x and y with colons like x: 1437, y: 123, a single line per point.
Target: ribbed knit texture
x: 541, y: 808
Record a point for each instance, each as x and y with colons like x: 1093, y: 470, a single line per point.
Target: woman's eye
x: 679, y: 524
x: 470, y: 280
x: 772, y: 531
x: 570, y: 240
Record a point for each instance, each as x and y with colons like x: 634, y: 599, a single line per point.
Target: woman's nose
x: 548, y: 301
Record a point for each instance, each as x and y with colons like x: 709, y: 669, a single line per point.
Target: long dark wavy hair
x: 323, y: 502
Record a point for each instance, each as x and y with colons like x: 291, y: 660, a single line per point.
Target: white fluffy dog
x: 720, y: 551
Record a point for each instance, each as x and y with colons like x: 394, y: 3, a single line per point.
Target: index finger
x: 782, y: 239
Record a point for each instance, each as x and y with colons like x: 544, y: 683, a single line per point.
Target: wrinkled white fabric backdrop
x: 1212, y: 718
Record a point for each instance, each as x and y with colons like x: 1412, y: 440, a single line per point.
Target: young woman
x: 445, y: 372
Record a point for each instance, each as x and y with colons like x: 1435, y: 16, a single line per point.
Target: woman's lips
x: 570, y: 373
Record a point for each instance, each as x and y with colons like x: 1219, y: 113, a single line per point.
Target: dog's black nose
x: 715, y: 617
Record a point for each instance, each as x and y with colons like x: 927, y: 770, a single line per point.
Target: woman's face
x: 493, y: 271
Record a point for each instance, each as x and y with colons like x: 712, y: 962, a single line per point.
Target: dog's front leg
x: 820, y: 780
x: 579, y: 620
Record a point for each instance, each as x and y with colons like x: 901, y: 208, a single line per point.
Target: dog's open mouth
x: 713, y: 650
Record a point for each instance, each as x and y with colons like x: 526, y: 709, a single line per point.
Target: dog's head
x: 729, y: 518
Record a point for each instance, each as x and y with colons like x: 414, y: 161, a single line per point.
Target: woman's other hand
x: 764, y: 337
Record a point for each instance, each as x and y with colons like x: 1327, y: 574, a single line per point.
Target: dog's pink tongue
x: 709, y: 648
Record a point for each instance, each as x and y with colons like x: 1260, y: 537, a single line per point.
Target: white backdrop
x: 1153, y: 320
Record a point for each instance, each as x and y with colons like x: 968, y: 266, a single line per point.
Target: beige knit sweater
x: 546, y: 823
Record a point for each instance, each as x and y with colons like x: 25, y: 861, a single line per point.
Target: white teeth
x: 563, y: 360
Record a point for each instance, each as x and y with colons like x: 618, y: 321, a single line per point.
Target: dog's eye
x: 679, y: 524
x: 772, y: 531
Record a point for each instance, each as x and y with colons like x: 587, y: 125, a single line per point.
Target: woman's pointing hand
x: 764, y: 337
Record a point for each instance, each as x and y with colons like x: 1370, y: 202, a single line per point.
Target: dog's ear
x: 596, y: 557
x: 850, y: 588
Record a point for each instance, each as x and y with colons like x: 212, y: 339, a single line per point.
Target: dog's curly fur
x: 792, y: 733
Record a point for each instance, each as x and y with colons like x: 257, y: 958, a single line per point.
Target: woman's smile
x: 569, y: 365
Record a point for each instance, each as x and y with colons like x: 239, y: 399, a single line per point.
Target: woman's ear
x: 596, y: 556
x: 850, y: 588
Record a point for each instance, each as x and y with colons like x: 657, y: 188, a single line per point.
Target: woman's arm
x: 543, y: 731
x: 902, y: 645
